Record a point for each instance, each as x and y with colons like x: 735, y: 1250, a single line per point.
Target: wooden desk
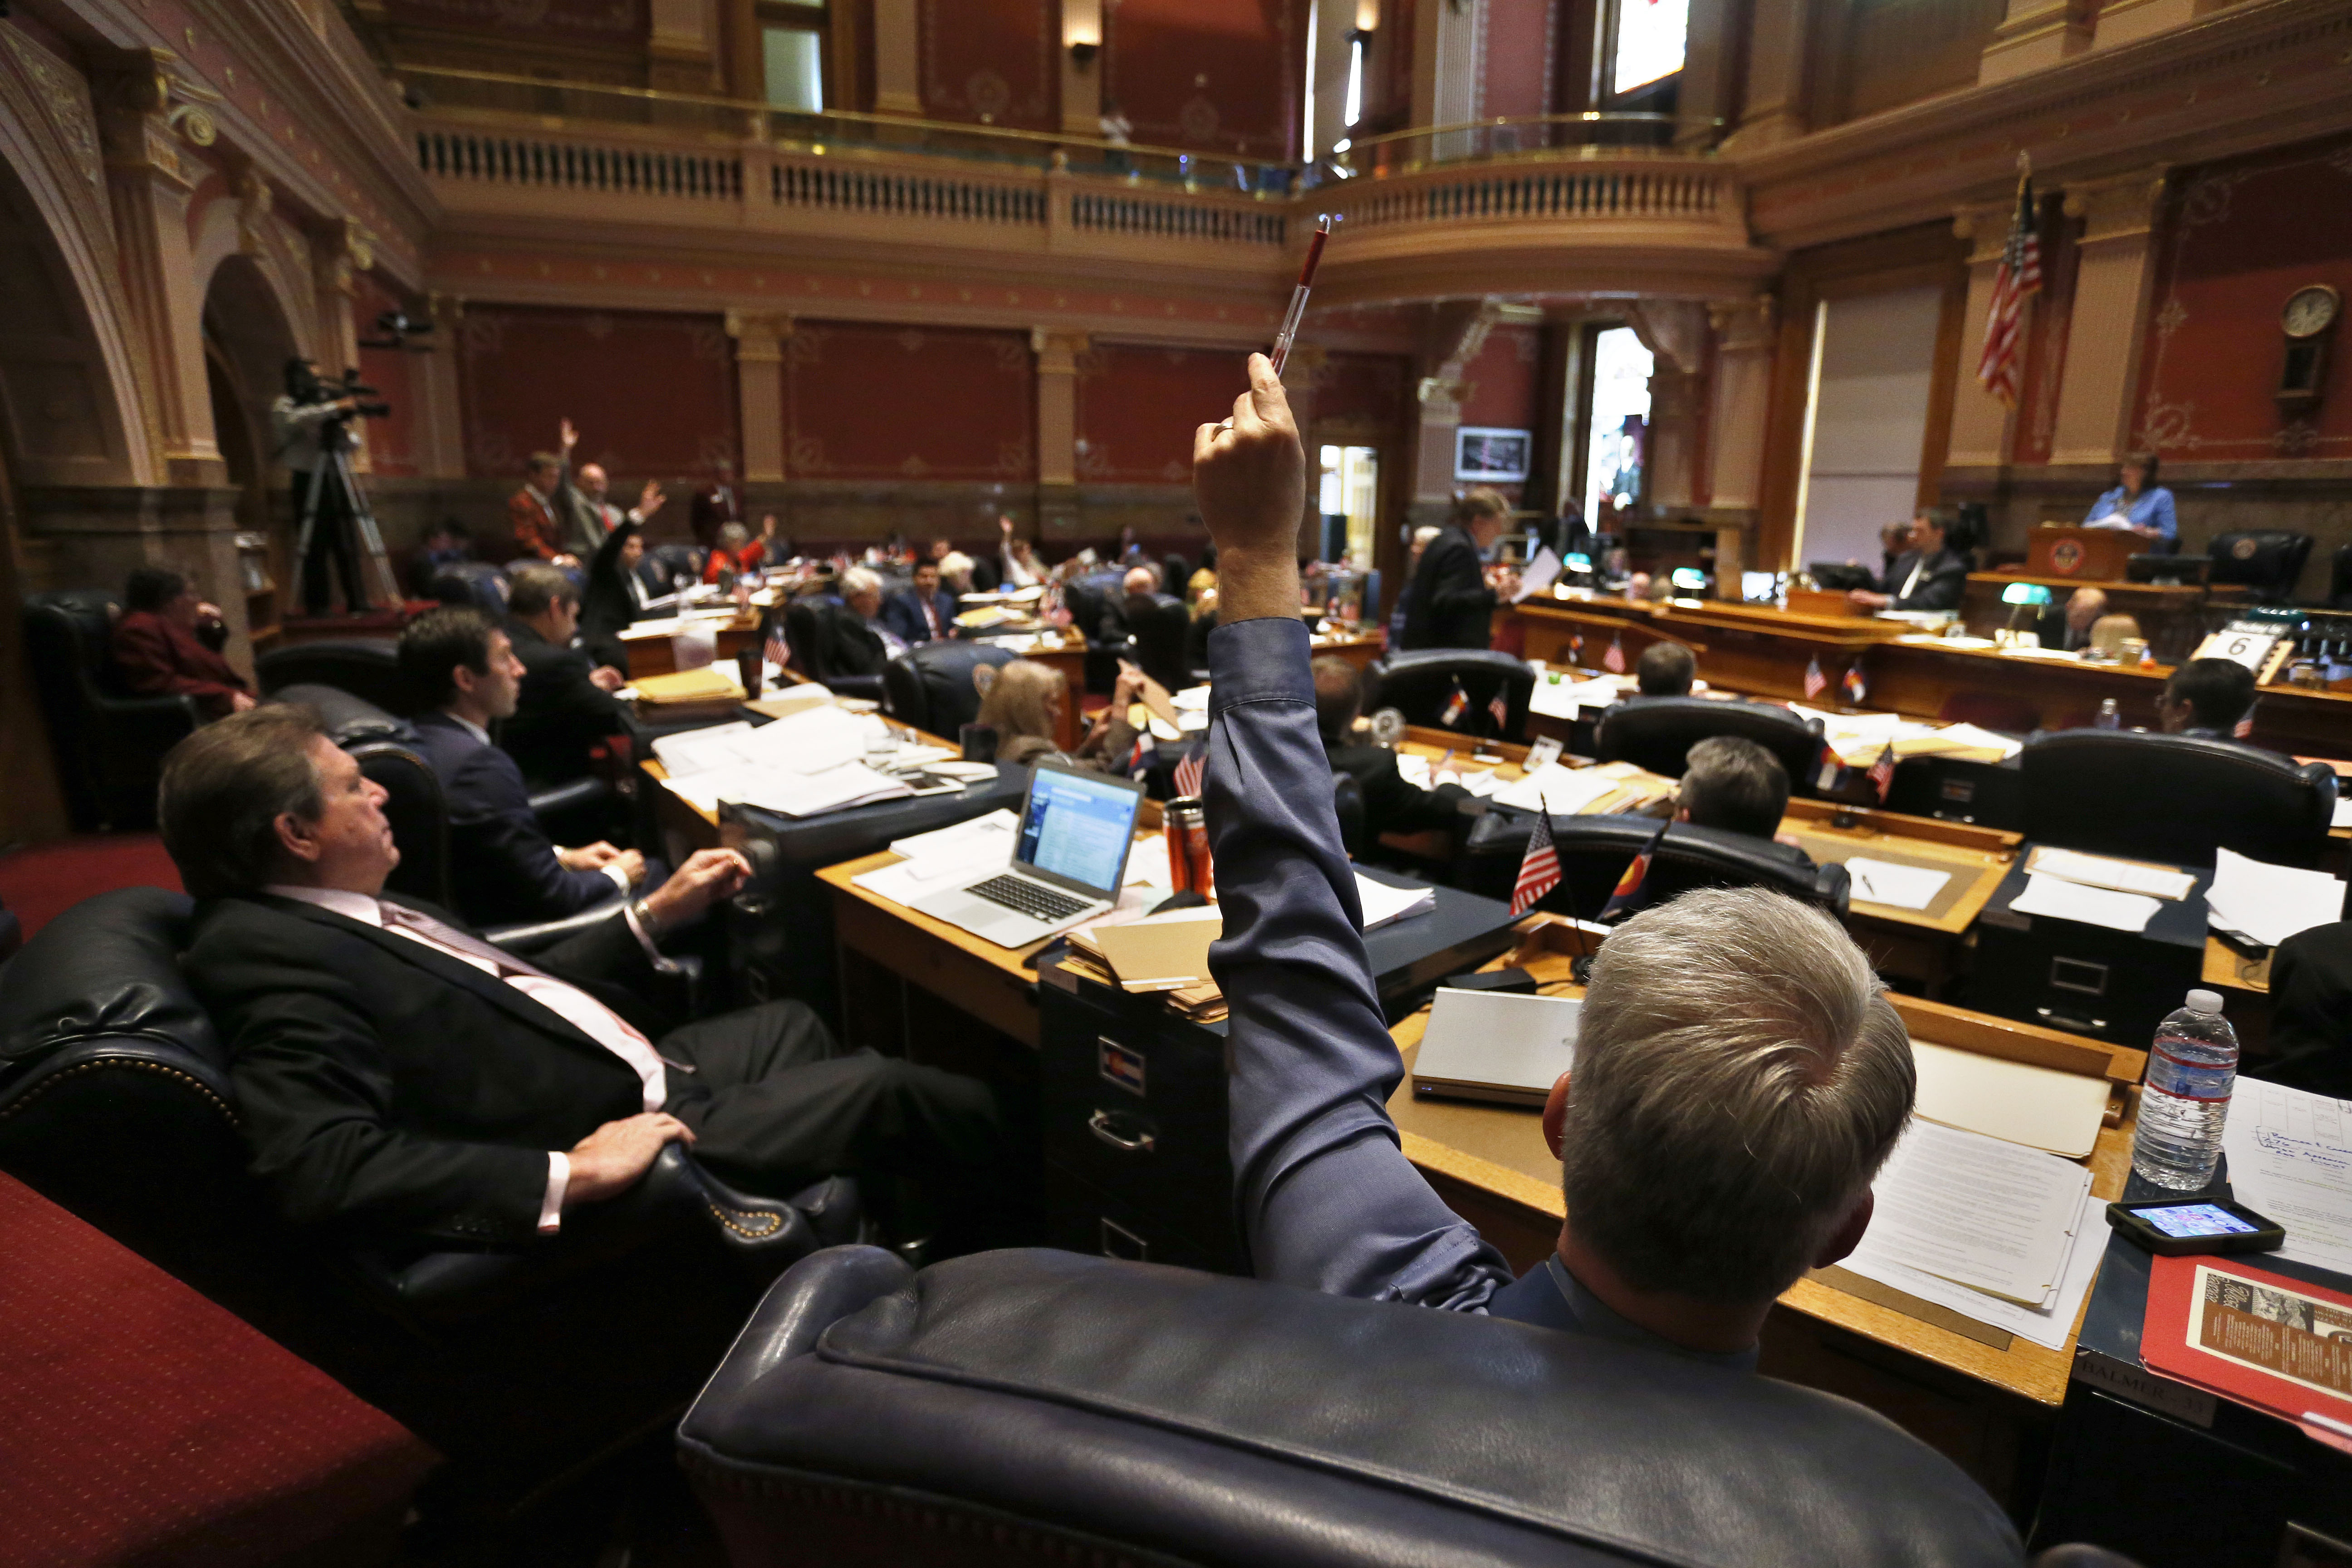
x: 1967, y: 1388
x: 682, y: 822
x: 659, y: 656
x: 1916, y: 943
x: 2170, y: 617
x: 1359, y: 651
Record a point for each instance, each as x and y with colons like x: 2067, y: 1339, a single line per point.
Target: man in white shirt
x: 403, y: 1081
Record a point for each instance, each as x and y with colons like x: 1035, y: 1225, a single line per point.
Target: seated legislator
x: 502, y: 868
x: 446, y: 544
x: 1391, y: 803
x: 862, y: 644
x: 1024, y: 706
x: 2213, y: 698
x: 738, y: 551
x: 1930, y: 575
x: 925, y: 613
x: 1740, y: 1077
x: 566, y: 708
x: 1665, y: 670
x: 1734, y: 785
x: 614, y: 597
x: 159, y: 649
x: 1139, y: 591
x: 2311, y: 1013
x: 1452, y: 604
x: 400, y: 1080
x: 2067, y: 627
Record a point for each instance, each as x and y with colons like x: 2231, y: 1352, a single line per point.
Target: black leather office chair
x: 935, y: 686
x: 477, y: 584
x: 12, y: 933
x: 2339, y: 579
x: 1158, y: 647
x: 1595, y: 850
x: 367, y: 668
x: 1038, y: 1406
x: 118, y: 1103
x: 2173, y: 798
x: 1656, y: 733
x: 1421, y: 684
x: 108, y: 744
x: 663, y: 563
x: 2267, y: 560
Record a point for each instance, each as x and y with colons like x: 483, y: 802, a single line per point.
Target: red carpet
x: 42, y: 883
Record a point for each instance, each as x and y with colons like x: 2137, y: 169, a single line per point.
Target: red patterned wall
x: 653, y: 393
x: 1517, y: 52
x: 1503, y: 380
x: 995, y: 61
x: 1222, y: 74
x: 1370, y: 392
x: 1138, y: 406
x: 391, y: 440
x: 864, y: 401
x: 573, y: 21
x: 2046, y: 343
x: 2237, y: 238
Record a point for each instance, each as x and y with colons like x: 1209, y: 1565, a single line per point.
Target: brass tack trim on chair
x: 752, y: 1225
x: 190, y: 1080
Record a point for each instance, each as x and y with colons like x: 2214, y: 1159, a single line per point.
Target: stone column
x: 682, y: 46
x: 148, y: 187
x: 1983, y: 427
x: 1704, y: 96
x: 897, y: 81
x: 2037, y: 33
x: 1057, y: 428
x: 337, y: 259
x: 760, y: 392
x: 1774, y: 111
x: 1744, y: 337
x: 2103, y: 337
x: 440, y: 413
x: 1445, y: 72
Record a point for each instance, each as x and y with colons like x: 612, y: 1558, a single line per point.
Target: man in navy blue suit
x: 925, y: 613
x: 503, y: 869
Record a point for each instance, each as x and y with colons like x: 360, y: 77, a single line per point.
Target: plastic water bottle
x: 2110, y: 716
x: 2186, y: 1097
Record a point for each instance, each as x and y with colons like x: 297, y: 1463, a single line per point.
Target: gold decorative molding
x: 2125, y: 207
x: 253, y: 200
x: 759, y: 336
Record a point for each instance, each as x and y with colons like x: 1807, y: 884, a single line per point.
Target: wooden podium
x: 2085, y: 554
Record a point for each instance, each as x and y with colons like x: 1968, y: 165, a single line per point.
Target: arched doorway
x: 247, y: 344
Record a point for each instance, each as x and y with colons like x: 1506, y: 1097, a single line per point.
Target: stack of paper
x: 1562, y: 792
x: 1166, y: 953
x: 2104, y: 871
x: 691, y: 687
x: 2122, y: 895
x: 2041, y: 1108
x: 1382, y: 903
x: 1560, y: 695
x: 933, y: 861
x: 2265, y: 904
x: 799, y: 767
x: 2018, y: 1253
x: 2291, y: 1161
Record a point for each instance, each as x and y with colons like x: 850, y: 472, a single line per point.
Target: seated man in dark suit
x: 2311, y: 1013
x: 2067, y: 627
x: 1665, y: 670
x: 2213, y: 698
x: 1734, y: 785
x: 401, y: 1081
x: 856, y: 641
x: 925, y: 613
x: 1390, y: 805
x: 1138, y: 590
x: 1453, y: 602
x: 1740, y: 1078
x: 502, y: 868
x: 158, y: 647
x: 1930, y: 575
x: 565, y: 708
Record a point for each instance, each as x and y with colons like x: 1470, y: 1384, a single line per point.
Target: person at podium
x: 2140, y: 503
x: 1932, y: 575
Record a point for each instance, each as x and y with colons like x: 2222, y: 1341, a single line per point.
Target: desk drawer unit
x: 2085, y: 979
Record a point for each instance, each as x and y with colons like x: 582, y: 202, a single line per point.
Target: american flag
x: 778, y: 650
x: 1539, y: 872
x: 2019, y: 276
x: 1856, y: 687
x: 1456, y: 705
x: 1192, y: 769
x: 1628, y: 895
x: 1882, y: 772
x: 1613, y: 661
x: 1139, y: 761
x: 1499, y: 710
x: 1815, y: 681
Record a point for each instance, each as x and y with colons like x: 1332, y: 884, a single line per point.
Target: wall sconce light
x: 1082, y: 53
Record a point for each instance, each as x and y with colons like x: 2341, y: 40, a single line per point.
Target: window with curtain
x: 793, y: 34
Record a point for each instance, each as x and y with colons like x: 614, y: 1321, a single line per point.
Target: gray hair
x: 858, y: 582
x: 1739, y: 1079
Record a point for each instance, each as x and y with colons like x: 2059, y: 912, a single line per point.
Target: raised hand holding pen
x: 1249, y: 473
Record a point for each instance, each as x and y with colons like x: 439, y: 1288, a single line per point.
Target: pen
x: 1298, y: 311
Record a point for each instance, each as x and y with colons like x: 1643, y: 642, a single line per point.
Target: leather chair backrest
x: 67, y: 635
x: 350, y: 721
x: 665, y: 564
x: 803, y: 631
x: 1372, y: 581
x: 935, y: 686
x: 1067, y: 1408
x: 1421, y: 683
x: 2266, y: 558
x: 474, y: 583
x: 1160, y: 643
x: 1084, y: 599
x: 2173, y: 798
x: 1595, y: 850
x: 367, y: 668
x: 1656, y: 733
x: 418, y: 814
x: 2339, y: 579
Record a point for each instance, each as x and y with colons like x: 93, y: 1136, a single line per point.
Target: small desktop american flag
x: 778, y: 649
x: 1882, y: 772
x: 1815, y: 681
x: 1540, y: 871
x: 1499, y: 710
x: 1613, y: 661
x: 1192, y: 769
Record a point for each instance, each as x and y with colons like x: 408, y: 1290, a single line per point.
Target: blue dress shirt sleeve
x: 1327, y: 1199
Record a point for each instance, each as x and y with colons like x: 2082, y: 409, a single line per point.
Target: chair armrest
x: 766, y: 1236
x: 538, y: 936
x: 163, y: 718
x: 865, y: 686
x: 570, y: 796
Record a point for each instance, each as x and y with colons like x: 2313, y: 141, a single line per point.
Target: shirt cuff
x: 559, y: 1182
x: 644, y: 940
x: 1261, y: 660
x: 620, y: 875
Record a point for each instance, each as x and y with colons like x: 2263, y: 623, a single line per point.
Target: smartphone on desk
x: 2178, y: 1227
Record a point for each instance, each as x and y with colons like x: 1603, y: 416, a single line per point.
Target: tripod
x: 335, y: 469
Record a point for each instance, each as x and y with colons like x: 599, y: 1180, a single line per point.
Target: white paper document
x: 2291, y: 1161
x: 982, y: 838
x: 1560, y: 695
x: 2266, y: 904
x: 1977, y: 1211
x: 2343, y: 817
x: 2041, y: 1108
x: 2064, y: 901
x: 1538, y: 576
x: 805, y: 743
x: 1990, y: 740
x: 790, y: 794
x: 1382, y: 903
x: 1563, y: 792
x: 2046, y: 1326
x: 2122, y: 876
x: 1894, y: 886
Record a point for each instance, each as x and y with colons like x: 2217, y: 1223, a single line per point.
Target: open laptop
x: 1495, y: 1045
x: 1068, y: 860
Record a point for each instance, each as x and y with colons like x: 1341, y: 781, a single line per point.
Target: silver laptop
x: 1068, y: 860
x: 1498, y: 1046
